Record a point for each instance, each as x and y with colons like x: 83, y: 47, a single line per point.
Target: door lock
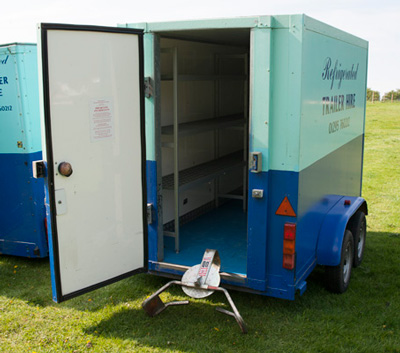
x: 257, y: 193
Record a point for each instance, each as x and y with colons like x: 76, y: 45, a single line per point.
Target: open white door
x: 94, y: 120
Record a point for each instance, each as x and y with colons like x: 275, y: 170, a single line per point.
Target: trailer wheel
x: 338, y: 277
x: 359, y: 230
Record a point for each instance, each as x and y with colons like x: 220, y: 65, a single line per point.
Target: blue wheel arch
x: 332, y: 230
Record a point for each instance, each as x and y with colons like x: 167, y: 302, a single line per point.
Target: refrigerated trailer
x: 243, y: 135
x: 22, y: 209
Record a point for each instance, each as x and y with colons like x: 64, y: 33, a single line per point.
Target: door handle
x: 65, y: 169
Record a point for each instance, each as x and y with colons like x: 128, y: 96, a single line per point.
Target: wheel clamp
x: 199, y: 281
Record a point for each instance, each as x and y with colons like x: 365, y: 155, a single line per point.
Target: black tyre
x: 358, y: 228
x: 338, y: 277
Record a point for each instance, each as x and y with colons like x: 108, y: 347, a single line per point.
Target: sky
x: 375, y: 21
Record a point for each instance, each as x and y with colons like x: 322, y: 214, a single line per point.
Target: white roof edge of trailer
x: 278, y: 21
x: 311, y: 24
x: 314, y: 25
x: 214, y: 23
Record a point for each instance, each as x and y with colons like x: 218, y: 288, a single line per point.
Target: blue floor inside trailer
x: 223, y: 229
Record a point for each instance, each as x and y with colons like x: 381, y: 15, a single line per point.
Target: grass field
x: 364, y: 319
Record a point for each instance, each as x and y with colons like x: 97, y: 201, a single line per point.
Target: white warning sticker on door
x: 101, y: 120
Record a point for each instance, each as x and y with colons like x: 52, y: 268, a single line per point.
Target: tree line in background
x: 373, y: 96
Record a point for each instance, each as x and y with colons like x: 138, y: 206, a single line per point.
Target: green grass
x: 364, y: 319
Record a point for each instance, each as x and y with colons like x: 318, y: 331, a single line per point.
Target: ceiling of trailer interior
x: 228, y: 36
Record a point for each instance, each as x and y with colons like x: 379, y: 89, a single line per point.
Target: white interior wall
x: 197, y: 100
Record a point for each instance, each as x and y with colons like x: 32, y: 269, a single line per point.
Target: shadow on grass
x: 27, y: 279
x: 173, y: 329
x: 196, y: 327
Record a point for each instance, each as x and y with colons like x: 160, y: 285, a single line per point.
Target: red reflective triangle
x: 285, y: 209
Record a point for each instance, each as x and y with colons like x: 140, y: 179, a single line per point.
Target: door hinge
x: 255, y: 162
x: 148, y: 87
x: 149, y: 213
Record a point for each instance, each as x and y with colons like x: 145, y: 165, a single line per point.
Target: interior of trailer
x: 204, y: 145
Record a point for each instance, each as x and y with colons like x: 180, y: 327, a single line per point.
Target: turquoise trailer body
x: 307, y: 113
x: 22, y: 212
x: 254, y: 133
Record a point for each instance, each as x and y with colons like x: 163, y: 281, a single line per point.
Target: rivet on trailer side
x: 242, y: 135
x: 22, y: 211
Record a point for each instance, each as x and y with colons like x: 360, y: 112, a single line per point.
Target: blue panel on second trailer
x: 22, y: 210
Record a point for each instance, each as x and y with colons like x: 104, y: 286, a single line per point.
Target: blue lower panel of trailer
x: 22, y: 210
x: 228, y: 226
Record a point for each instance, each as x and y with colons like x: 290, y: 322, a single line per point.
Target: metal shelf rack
x: 205, y: 172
